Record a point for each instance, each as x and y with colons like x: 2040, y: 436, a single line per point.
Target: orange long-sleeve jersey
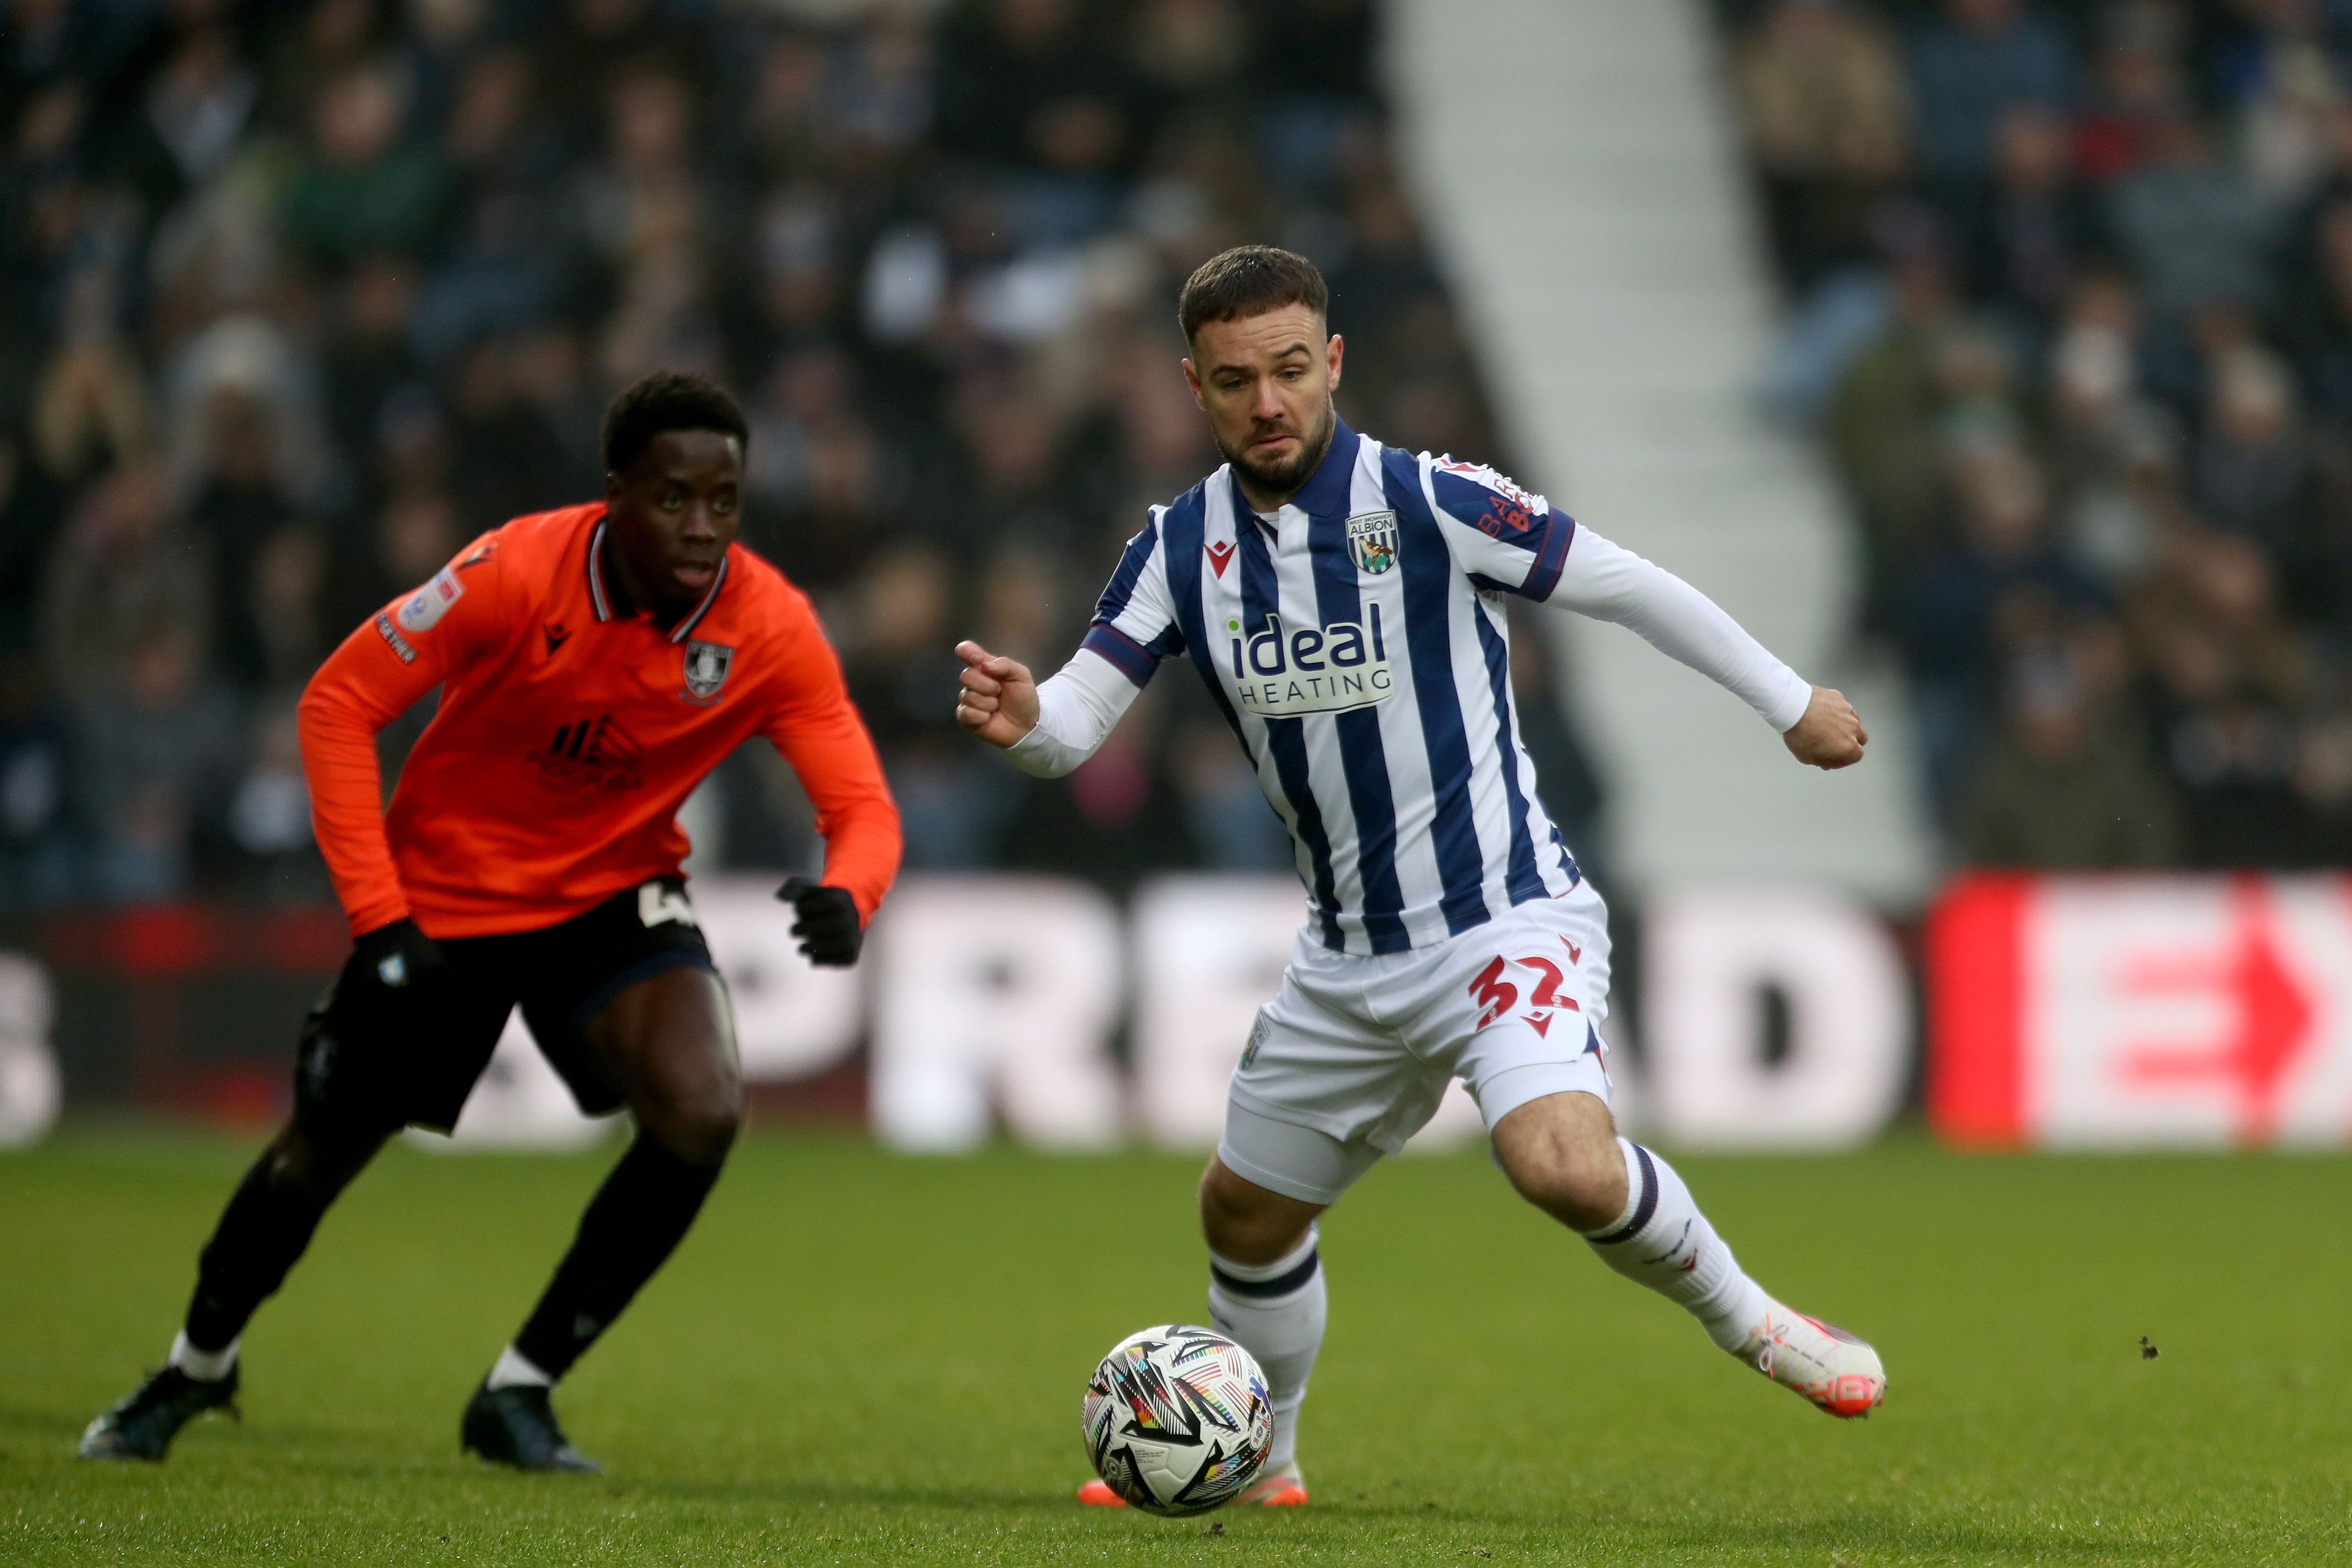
x: 568, y: 733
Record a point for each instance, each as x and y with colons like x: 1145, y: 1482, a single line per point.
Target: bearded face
x: 1282, y: 476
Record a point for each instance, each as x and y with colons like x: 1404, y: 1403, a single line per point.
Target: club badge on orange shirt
x: 707, y: 664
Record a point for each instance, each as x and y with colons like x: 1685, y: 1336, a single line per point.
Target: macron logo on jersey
x: 424, y: 608
x: 1282, y: 673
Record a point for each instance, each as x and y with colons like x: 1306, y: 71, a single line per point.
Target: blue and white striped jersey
x: 1355, y: 643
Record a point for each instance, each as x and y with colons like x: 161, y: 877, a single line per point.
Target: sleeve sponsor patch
x: 1524, y: 505
x: 392, y: 639
x: 423, y: 609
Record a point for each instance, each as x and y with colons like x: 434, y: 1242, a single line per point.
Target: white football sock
x: 1275, y: 1312
x: 204, y: 1365
x: 1661, y: 1241
x: 516, y: 1370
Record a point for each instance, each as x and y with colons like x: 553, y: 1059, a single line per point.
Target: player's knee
x: 1245, y: 1222
x: 702, y: 1126
x: 317, y: 1157
x: 1564, y: 1158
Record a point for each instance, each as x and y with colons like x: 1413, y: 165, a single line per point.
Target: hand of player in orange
x: 1830, y: 735
x: 999, y: 701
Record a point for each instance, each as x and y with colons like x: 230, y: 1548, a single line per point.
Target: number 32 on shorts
x: 1498, y: 995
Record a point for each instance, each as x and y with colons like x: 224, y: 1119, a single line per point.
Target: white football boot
x: 1826, y: 1365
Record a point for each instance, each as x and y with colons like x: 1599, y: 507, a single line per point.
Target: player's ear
x: 1192, y: 380
x: 1333, y: 352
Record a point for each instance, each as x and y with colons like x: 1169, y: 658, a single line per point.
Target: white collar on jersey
x: 604, y: 605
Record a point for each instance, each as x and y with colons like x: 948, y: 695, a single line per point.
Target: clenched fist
x: 999, y: 700
x: 1830, y: 735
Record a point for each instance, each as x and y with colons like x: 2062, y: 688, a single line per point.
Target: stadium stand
x: 2069, y: 289
x: 300, y: 297
x: 1590, y: 208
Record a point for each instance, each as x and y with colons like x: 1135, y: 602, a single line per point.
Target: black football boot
x: 143, y: 1425
x: 516, y: 1426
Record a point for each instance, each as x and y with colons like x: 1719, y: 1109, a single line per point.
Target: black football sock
x: 266, y: 1225
x: 632, y: 1226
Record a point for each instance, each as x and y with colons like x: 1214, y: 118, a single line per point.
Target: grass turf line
x: 863, y: 1359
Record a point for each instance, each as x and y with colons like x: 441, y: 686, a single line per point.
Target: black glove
x: 402, y: 958
x: 827, y: 925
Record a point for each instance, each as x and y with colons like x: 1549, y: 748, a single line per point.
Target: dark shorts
x: 384, y: 1059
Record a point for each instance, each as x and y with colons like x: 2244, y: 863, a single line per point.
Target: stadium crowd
x: 300, y: 297
x: 2071, y: 308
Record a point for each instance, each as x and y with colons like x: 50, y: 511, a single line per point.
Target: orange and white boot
x: 1285, y: 1488
x: 1837, y: 1372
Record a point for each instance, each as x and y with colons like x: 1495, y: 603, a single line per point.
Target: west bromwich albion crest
x: 1372, y: 540
x: 707, y: 664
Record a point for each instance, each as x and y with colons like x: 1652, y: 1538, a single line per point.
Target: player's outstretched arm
x: 1045, y: 730
x: 999, y: 700
x: 1830, y: 735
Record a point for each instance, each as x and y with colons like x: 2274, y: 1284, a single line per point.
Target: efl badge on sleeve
x: 707, y: 664
x: 1372, y: 540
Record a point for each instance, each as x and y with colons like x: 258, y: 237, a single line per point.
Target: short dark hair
x: 668, y: 400
x: 1249, y: 280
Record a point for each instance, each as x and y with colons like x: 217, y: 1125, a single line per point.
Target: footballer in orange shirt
x: 595, y: 664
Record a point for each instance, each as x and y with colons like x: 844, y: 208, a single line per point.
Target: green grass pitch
x: 863, y: 1359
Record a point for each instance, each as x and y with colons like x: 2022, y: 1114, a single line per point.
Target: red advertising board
x: 2125, y: 1011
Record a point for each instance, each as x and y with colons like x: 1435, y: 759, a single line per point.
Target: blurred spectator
x: 2284, y: 81
x: 2054, y: 792
x: 278, y: 629
x: 2253, y: 469
x: 1882, y: 424
x: 505, y: 459
x: 363, y: 188
x: 123, y: 570
x: 369, y: 354
x: 1998, y: 592
x: 900, y: 664
x: 2034, y: 229
x: 269, y: 814
x: 1828, y: 115
x: 2114, y: 450
x: 157, y: 754
x: 1029, y: 83
x: 2135, y: 90
x: 1976, y: 59
x: 2193, y: 225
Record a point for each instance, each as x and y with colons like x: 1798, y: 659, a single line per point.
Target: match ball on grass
x: 1177, y: 1420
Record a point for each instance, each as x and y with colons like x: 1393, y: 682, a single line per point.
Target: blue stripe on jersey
x: 1262, y: 597
x: 1525, y: 882
x: 1184, y: 529
x: 1131, y: 563
x: 1428, y: 584
x: 1134, y: 660
x: 1364, y: 760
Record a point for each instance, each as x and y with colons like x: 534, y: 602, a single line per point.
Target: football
x: 1177, y: 1420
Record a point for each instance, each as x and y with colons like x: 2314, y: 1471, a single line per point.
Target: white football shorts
x: 1353, y: 1054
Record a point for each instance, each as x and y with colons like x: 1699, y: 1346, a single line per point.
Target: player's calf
x: 1657, y: 1236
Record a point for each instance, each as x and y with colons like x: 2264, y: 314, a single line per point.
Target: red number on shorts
x: 1496, y: 993
x: 1548, y: 994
